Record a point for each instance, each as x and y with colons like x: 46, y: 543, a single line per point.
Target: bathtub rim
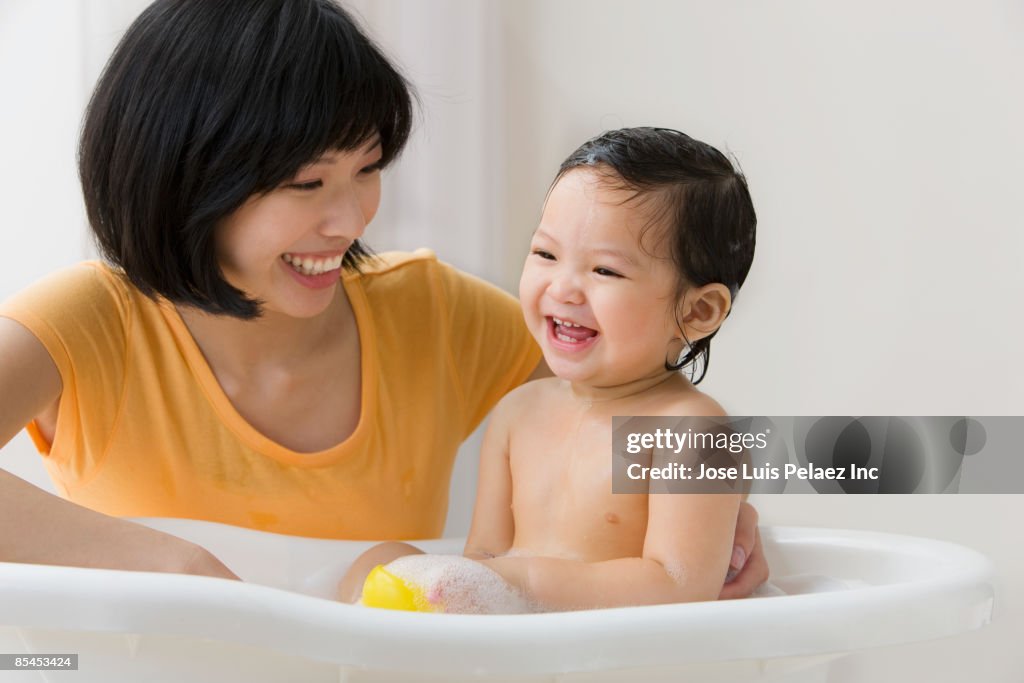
x: 122, y: 602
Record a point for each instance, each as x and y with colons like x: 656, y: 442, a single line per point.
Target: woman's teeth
x: 310, y: 266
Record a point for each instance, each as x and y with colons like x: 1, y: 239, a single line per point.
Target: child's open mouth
x: 570, y: 336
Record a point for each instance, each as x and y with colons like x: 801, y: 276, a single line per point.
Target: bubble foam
x: 456, y: 584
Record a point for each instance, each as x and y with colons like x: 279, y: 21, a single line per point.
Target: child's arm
x: 685, y: 558
x: 493, y: 528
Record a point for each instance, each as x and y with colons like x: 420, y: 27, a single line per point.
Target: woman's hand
x: 201, y: 562
x: 37, y: 527
x: 121, y: 544
x: 748, y: 567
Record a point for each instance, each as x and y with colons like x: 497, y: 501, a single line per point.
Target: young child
x: 646, y: 237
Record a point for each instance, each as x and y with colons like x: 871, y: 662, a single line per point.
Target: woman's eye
x: 546, y: 255
x: 372, y: 168
x: 606, y: 272
x: 311, y: 185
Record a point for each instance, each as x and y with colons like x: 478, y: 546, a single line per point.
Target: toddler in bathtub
x: 645, y: 239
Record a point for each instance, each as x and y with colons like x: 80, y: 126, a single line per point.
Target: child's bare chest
x: 563, y: 503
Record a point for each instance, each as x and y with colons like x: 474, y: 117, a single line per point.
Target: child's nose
x: 565, y: 288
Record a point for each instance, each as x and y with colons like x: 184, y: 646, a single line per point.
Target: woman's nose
x: 345, y: 218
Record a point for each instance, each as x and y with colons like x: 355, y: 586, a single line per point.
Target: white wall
x: 883, y: 148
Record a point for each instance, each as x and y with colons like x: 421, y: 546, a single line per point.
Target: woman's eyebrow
x: 331, y: 157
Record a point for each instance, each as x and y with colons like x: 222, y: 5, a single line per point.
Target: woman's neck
x: 237, y: 347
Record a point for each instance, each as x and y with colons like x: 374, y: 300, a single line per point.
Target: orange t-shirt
x: 145, y: 430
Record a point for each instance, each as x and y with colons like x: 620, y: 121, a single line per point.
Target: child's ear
x: 704, y: 309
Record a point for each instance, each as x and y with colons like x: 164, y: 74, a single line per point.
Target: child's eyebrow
x: 600, y: 251
x: 615, y: 253
x: 539, y: 232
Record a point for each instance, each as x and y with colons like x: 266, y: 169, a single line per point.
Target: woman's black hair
x: 703, y: 204
x: 205, y: 103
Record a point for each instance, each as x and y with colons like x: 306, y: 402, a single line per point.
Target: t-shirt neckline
x: 252, y: 437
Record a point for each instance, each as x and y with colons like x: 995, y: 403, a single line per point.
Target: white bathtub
x: 131, y: 626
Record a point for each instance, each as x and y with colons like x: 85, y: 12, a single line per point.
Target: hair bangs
x: 336, y: 97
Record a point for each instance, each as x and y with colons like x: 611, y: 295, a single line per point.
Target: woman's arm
x: 40, y: 528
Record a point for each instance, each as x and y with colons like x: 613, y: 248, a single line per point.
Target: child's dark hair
x: 207, y: 102
x: 703, y: 204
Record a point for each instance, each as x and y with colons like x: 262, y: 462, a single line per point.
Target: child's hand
x: 748, y: 567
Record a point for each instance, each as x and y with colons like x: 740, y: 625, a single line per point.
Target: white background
x: 884, y: 151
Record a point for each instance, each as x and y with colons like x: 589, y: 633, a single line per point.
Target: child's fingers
x: 753, y: 574
x: 743, y: 542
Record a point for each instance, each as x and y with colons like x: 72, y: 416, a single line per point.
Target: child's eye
x: 306, y: 187
x: 606, y: 272
x: 546, y: 255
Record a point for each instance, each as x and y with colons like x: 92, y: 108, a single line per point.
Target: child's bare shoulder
x: 687, y: 400
x: 701, y: 404
x: 527, y: 398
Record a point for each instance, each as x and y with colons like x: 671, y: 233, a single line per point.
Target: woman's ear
x: 704, y: 310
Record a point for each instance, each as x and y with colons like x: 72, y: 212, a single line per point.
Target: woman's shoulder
x: 84, y: 288
x: 419, y: 280
x: 396, y: 265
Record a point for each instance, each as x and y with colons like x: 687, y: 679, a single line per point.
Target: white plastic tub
x: 280, y: 625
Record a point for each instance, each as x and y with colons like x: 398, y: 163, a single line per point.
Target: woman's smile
x: 315, y: 271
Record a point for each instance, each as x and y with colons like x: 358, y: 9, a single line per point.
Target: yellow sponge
x: 385, y: 590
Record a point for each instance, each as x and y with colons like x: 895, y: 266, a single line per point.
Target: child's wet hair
x: 206, y: 103
x: 699, y: 201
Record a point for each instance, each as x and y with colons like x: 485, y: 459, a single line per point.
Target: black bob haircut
x: 207, y: 102
x: 702, y: 204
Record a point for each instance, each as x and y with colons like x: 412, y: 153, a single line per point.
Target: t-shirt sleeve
x: 80, y: 316
x: 491, y: 348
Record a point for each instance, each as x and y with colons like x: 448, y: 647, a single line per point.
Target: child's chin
x: 562, y: 369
